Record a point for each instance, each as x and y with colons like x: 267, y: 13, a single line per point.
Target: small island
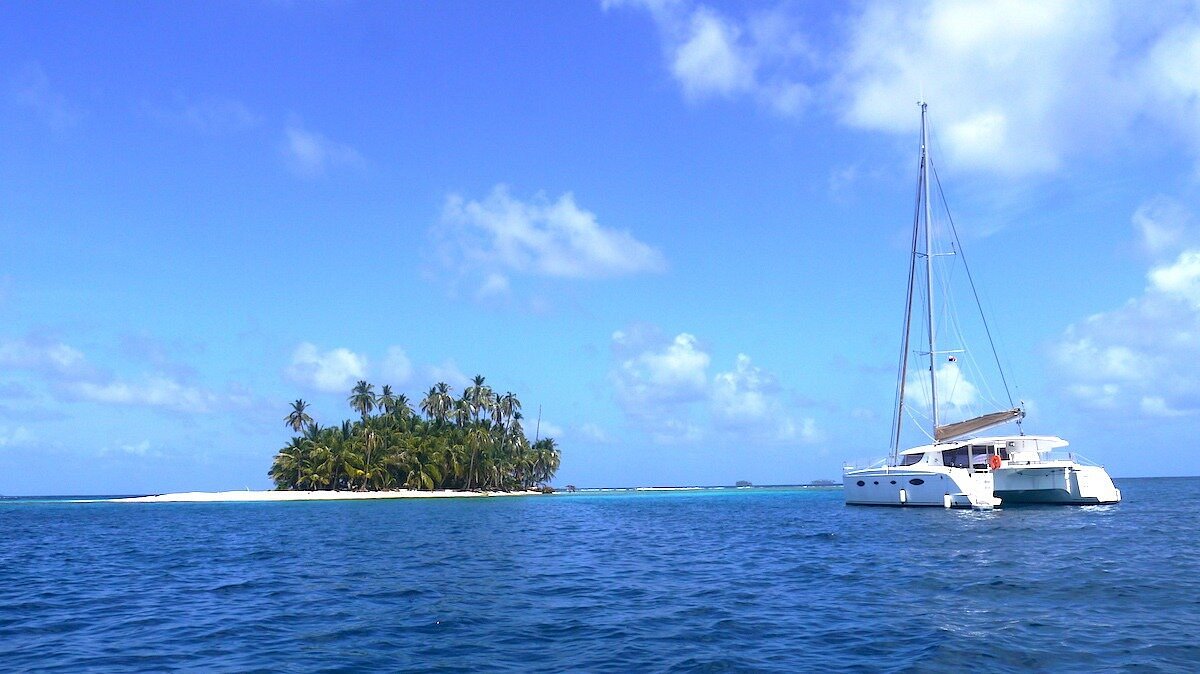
x: 474, y: 442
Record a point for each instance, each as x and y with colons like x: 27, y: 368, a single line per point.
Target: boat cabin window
x: 910, y: 459
x: 958, y: 457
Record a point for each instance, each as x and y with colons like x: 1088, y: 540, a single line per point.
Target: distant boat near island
x: 956, y: 469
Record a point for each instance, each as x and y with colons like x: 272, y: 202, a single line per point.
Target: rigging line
x: 986, y: 328
x: 898, y: 410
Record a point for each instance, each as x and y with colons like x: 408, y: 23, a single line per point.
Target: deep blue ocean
x: 725, y: 580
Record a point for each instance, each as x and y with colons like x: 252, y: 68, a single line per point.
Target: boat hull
x: 946, y: 488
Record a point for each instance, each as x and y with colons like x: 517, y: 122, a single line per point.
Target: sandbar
x: 320, y: 495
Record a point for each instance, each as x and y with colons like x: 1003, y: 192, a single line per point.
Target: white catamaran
x: 956, y: 470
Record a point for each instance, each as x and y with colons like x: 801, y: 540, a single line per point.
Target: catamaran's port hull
x: 881, y: 487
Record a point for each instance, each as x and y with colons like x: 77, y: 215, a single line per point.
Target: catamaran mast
x: 929, y: 265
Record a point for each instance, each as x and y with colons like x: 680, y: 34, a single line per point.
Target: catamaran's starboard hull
x: 1059, y: 485
x: 953, y: 488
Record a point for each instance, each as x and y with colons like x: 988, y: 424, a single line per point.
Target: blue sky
x: 677, y: 227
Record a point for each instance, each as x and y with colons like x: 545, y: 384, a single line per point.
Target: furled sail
x: 954, y: 430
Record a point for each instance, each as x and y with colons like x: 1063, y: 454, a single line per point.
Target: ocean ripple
x: 689, y: 581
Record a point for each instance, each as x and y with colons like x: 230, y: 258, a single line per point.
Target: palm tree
x: 362, y: 398
x: 506, y: 407
x: 462, y: 412
x: 298, y: 418
x: 287, y: 469
x: 483, y: 448
x: 387, y: 400
x: 401, y: 407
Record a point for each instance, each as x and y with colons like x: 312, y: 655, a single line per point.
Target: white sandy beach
x: 273, y: 495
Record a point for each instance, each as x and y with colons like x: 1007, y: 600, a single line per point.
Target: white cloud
x: 1180, y: 279
x: 1155, y: 406
x: 592, y: 432
x: 159, y: 392
x: 709, y: 59
x: 1015, y: 86
x: 15, y: 437
x: 542, y: 238
x: 449, y: 373
x: 45, y: 355
x: 310, y: 154
x: 956, y: 393
x: 675, y: 372
x: 219, y: 116
x: 664, y: 388
x: 334, y: 371
x: 396, y: 366
x: 713, y: 55
x: 31, y: 89
x: 747, y: 400
x: 551, y: 430
x: 1143, y: 356
x: 71, y: 377
x: 495, y: 285
x: 1163, y: 224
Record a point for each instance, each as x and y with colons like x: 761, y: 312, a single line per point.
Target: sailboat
x: 956, y: 469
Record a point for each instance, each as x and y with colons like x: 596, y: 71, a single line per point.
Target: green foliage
x: 472, y: 442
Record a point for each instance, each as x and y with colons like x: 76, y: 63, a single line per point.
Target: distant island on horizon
x: 472, y: 442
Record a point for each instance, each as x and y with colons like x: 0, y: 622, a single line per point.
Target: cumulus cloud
x: 664, y: 387
x: 709, y: 59
x: 334, y: 371
x: 1016, y: 87
x: 714, y: 55
x: 502, y: 235
x: 1144, y: 356
x: 310, y: 154
x: 1014, y: 84
x: 1179, y: 279
x: 747, y: 399
x: 676, y: 372
x: 956, y: 393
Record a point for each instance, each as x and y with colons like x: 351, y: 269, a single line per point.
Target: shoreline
x: 298, y: 495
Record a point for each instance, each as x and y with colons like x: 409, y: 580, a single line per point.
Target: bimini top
x: 1040, y: 443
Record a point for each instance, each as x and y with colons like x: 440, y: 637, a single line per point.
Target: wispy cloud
x: 488, y: 240
x: 31, y: 89
x: 310, y: 154
x: 212, y: 116
x: 67, y: 375
x: 43, y: 354
x: 152, y: 391
x: 15, y: 437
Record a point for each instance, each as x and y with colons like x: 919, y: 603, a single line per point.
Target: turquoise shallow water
x: 727, y: 580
